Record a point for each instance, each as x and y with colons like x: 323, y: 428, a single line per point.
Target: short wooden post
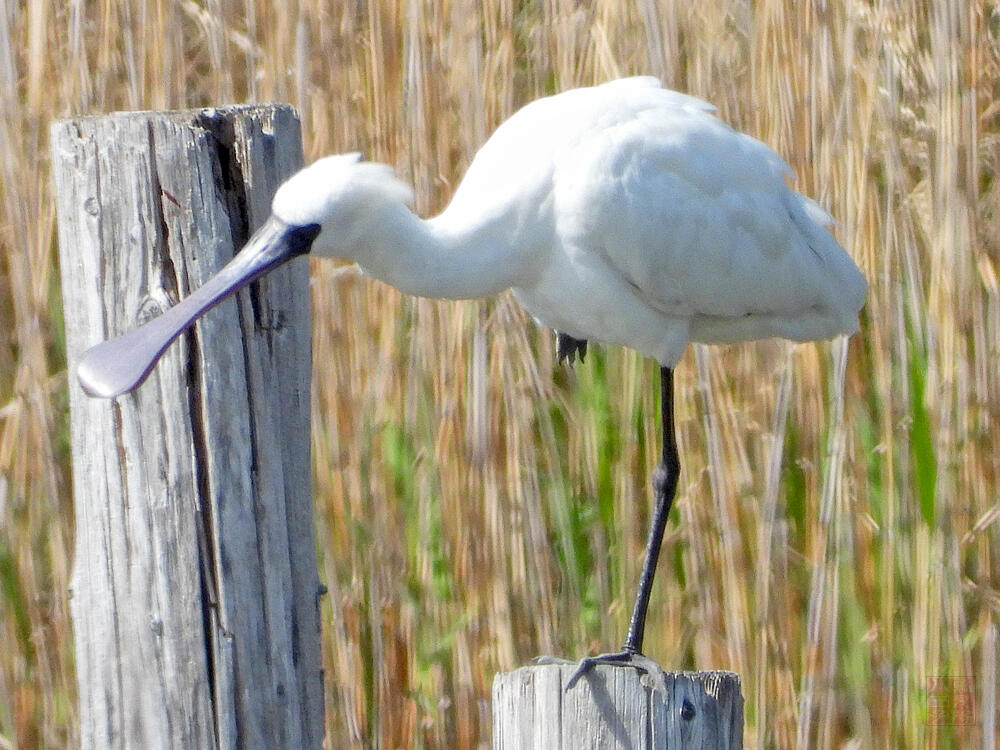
x: 194, y: 592
x: 615, y: 707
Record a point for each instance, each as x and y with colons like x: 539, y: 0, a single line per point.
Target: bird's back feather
x: 695, y: 219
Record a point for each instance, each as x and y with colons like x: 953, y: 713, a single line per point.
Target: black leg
x: 568, y: 347
x: 664, y: 487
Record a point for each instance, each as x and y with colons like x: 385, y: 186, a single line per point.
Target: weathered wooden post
x: 614, y: 707
x: 195, y: 586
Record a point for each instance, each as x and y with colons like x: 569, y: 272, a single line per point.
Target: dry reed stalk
x: 478, y: 505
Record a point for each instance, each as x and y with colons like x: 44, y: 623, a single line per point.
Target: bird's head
x: 326, y: 209
x: 342, y: 195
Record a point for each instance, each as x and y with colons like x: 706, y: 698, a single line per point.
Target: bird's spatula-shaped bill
x: 117, y: 366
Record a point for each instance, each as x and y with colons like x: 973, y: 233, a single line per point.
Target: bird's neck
x: 439, y: 257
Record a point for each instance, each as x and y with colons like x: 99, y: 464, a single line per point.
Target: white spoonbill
x: 623, y: 213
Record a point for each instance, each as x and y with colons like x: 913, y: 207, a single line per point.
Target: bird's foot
x: 568, y: 347
x: 640, y: 662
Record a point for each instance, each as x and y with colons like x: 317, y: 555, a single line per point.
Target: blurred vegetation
x: 835, y: 537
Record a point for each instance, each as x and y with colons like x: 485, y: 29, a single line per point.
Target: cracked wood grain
x: 616, y: 707
x: 194, y: 592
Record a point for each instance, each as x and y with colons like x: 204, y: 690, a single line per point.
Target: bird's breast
x: 585, y: 298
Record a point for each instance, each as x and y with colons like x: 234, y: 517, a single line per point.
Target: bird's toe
x: 640, y: 662
x: 567, y: 348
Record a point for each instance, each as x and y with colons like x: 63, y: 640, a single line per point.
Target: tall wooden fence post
x: 194, y: 592
x: 616, y: 707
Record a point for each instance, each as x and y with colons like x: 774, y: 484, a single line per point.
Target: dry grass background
x: 835, y: 538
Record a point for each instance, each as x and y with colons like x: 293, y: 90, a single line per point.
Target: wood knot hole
x: 687, y: 710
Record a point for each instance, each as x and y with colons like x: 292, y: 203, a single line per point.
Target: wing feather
x: 701, y: 219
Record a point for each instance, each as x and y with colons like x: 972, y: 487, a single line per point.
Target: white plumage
x: 623, y: 213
